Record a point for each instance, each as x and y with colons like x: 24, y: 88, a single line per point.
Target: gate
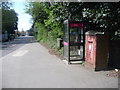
x: 114, y: 55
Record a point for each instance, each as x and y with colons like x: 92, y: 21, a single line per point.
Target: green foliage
x: 44, y: 20
x: 48, y: 18
x: 9, y: 18
x: 36, y: 10
x: 103, y: 16
x: 42, y: 32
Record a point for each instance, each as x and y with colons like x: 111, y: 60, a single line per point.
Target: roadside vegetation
x: 48, y: 18
x: 9, y: 21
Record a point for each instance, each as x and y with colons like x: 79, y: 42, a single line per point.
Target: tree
x: 101, y: 16
x: 9, y: 18
x: 36, y: 10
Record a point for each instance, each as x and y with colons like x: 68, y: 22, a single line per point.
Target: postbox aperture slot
x: 90, y: 41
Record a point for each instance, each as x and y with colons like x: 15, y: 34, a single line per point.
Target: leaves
x: 9, y: 18
x: 101, y: 16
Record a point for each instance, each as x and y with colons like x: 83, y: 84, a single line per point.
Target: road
x: 27, y: 64
x: 8, y: 47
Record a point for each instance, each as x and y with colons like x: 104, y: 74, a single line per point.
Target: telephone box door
x: 73, y: 41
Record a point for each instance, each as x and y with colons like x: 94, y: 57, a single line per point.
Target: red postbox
x: 96, y: 50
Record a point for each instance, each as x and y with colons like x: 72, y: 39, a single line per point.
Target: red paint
x: 76, y: 25
x: 65, y: 43
x: 90, y: 49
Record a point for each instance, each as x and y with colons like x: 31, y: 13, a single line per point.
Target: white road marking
x: 13, y: 52
x: 20, y: 53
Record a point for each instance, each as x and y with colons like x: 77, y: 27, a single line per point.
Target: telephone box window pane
x: 65, y: 33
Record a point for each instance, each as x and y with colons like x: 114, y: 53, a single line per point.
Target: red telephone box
x: 73, y: 41
x: 96, y: 50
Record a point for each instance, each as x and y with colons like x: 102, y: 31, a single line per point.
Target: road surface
x: 8, y: 47
x: 29, y: 65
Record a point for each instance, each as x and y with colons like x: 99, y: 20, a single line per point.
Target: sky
x: 24, y: 20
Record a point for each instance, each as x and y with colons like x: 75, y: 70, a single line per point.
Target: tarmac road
x: 8, y: 47
x: 29, y: 65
